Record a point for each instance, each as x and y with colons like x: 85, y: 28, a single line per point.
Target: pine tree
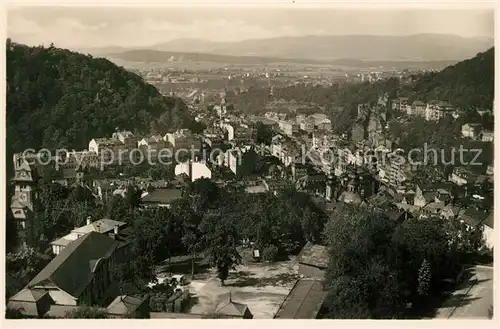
x: 424, y: 278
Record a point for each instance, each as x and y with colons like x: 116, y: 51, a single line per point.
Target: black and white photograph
x: 249, y: 162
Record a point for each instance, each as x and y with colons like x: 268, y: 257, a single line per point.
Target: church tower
x: 23, y: 201
x: 223, y: 103
x: 270, y: 87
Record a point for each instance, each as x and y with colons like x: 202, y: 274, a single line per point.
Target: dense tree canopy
x: 467, y: 84
x: 59, y: 210
x: 381, y: 268
x: 21, y: 267
x: 263, y: 134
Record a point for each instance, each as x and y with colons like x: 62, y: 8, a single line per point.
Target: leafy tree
x: 80, y: 194
x: 119, y: 209
x: 346, y: 299
x: 87, y: 312
x: 133, y: 196
x: 263, y: 134
x: 150, y: 236
x: 204, y: 194
x: 10, y: 231
x: 183, y: 212
x: 21, y: 268
x: 133, y: 275
x: 269, y: 253
x: 487, y: 121
x: 312, y: 219
x: 463, y: 238
x: 160, y: 171
x: 220, y: 238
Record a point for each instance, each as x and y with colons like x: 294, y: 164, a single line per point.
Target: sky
x: 89, y: 27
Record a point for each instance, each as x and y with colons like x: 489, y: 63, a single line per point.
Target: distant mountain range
x: 152, y: 56
x: 418, y: 47
x: 157, y: 56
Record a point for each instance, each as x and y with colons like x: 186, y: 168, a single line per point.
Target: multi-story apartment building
x: 127, y: 138
x: 436, y: 110
x: 193, y: 169
x: 185, y: 144
x: 397, y: 169
x: 288, y: 127
x: 183, y: 139
x: 109, y: 150
x: 400, y: 104
x: 155, y: 142
x: 307, y: 125
x: 300, y: 118
x: 418, y: 109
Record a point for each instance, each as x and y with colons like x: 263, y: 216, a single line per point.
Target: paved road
x: 472, y: 299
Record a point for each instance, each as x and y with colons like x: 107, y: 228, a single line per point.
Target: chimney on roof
x: 89, y: 220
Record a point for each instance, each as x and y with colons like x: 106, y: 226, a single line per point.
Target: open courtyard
x: 261, y: 286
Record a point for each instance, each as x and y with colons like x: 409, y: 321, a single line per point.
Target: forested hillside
x: 469, y: 83
x: 58, y: 98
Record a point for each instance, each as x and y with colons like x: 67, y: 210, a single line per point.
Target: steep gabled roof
x: 475, y: 217
x: 162, y: 196
x: 28, y: 295
x: 231, y: 308
x: 17, y: 204
x: 24, y: 172
x: 124, y: 304
x: 31, y: 302
x: 71, y: 270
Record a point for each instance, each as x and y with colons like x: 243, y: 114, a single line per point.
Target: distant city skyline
x: 88, y: 27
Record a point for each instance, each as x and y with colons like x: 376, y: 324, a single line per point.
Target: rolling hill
x: 61, y: 99
x: 467, y: 84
